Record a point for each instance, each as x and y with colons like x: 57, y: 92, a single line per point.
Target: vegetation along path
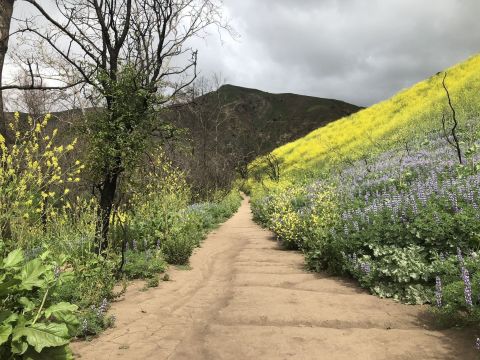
x: 245, y: 298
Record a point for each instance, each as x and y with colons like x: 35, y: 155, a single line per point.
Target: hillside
x: 272, y: 119
x: 229, y: 127
x: 389, y: 197
x: 410, y: 113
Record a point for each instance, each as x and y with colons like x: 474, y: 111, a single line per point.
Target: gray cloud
x: 360, y: 51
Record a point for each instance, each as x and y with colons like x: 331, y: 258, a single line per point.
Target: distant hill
x: 272, y: 119
x: 229, y: 127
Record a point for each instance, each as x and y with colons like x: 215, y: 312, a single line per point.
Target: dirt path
x: 246, y: 299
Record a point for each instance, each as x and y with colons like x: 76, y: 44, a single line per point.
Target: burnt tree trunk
x: 108, y: 190
x: 6, y: 10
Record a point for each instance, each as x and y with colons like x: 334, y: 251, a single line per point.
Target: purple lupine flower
x: 134, y: 245
x: 84, y: 326
x: 356, y: 227
x: 422, y: 196
x: 413, y: 202
x: 460, y: 256
x: 477, y: 344
x: 438, y: 291
x: 470, y: 197
x: 365, y: 268
x: 102, y: 309
x: 454, y: 202
x: 468, y: 286
x: 56, y: 272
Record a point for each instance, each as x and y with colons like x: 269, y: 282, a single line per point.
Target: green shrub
x: 153, y: 282
x: 193, y: 223
x: 32, y: 326
x: 178, y: 250
x: 457, y: 290
x: 94, y: 319
x: 143, y: 265
x: 90, y: 286
x: 93, y: 281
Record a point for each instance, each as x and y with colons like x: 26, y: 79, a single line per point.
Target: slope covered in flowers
x: 409, y: 113
x: 383, y: 197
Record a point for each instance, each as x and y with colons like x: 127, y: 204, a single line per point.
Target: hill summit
x: 231, y: 126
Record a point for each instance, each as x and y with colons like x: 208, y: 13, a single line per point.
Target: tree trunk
x: 107, y: 197
x: 6, y: 10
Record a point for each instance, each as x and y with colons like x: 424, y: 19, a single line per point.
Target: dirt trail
x: 245, y: 298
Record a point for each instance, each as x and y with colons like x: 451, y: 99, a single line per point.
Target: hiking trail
x: 246, y: 298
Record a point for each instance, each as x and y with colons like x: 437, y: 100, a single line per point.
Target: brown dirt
x: 245, y: 298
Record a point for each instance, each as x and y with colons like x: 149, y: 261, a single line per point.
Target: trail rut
x: 245, y: 298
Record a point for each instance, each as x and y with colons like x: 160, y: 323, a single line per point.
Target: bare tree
x: 208, y: 165
x: 454, y: 142
x: 99, y: 39
x: 6, y: 11
x: 273, y: 166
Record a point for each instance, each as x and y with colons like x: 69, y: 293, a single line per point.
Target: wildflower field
x: 411, y: 114
x: 382, y: 196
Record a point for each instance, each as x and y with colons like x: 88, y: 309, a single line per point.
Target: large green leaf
x: 7, y: 287
x: 5, y: 332
x: 19, y: 346
x: 31, y: 273
x: 14, y: 259
x: 54, y: 353
x: 41, y: 335
x: 6, y: 316
x: 28, y: 305
x: 62, y: 307
x: 64, y: 312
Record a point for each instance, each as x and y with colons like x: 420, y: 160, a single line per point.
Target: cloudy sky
x: 360, y: 51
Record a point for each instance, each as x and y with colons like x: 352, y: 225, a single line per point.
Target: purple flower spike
x: 365, y: 268
x: 468, y: 286
x: 460, y: 256
x: 438, y: 291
